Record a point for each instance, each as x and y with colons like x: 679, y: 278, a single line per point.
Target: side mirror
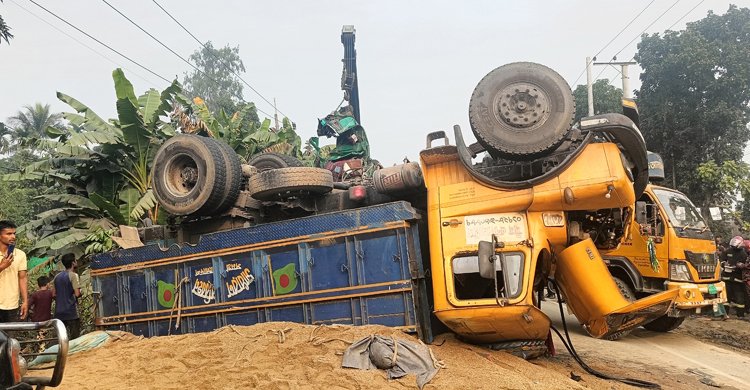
x: 640, y: 212
x: 487, y: 259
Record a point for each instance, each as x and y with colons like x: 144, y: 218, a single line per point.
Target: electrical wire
x: 171, y: 51
x: 612, y: 40
x: 100, y: 42
x: 568, y: 343
x: 686, y: 14
x: 669, y: 28
x: 222, y: 62
x: 81, y: 43
x: 647, y: 27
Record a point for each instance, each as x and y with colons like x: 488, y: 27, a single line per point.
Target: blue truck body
x: 357, y: 267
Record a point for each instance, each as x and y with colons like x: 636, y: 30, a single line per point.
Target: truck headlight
x: 679, y: 271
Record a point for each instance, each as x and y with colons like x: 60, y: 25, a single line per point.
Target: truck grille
x: 704, y: 263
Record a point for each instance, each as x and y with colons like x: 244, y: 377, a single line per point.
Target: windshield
x: 680, y: 210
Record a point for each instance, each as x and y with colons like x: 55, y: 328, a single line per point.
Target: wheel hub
x: 522, y: 105
x: 189, y: 176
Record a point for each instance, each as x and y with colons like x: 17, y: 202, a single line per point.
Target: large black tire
x: 284, y: 183
x: 266, y: 161
x: 628, y: 294
x: 664, y: 324
x: 521, y: 110
x: 231, y: 188
x: 189, y: 175
x: 625, y: 289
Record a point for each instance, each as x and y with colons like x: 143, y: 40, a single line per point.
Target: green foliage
x: 238, y: 130
x: 694, y: 103
x: 4, y: 30
x: 104, y: 168
x: 99, y: 241
x: 215, y: 81
x: 17, y: 201
x: 29, y: 127
x: 724, y: 182
x: 606, y: 99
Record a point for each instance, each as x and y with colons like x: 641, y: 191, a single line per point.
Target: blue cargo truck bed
x: 358, y: 267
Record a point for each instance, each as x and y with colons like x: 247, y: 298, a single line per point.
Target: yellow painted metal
x: 595, y: 179
x: 670, y: 247
x: 691, y: 295
x: 595, y: 299
x: 492, y: 324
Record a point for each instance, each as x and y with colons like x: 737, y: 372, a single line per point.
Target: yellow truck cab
x: 541, y: 202
x: 668, y: 245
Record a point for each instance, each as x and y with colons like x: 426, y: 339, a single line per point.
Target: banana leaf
x: 109, y: 208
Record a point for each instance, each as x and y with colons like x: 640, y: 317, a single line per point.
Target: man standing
x: 733, y: 261
x: 13, y: 287
x: 40, y: 302
x: 67, y: 291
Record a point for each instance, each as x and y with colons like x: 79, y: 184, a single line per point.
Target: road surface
x: 666, y: 358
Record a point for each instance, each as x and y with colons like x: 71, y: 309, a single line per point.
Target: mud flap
x: 595, y: 299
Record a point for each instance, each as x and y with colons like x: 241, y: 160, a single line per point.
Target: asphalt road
x: 678, y: 357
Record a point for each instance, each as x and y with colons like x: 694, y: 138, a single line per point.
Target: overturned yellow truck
x: 542, y: 202
x: 470, y: 235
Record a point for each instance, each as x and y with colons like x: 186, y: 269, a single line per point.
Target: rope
x: 435, y: 362
x: 178, y: 304
x: 282, y: 334
x: 317, y: 341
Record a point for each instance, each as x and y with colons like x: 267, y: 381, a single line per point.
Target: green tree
x: 30, y: 125
x: 19, y: 203
x: 216, y: 81
x: 239, y: 130
x: 607, y: 98
x: 4, y: 30
x: 5, y: 138
x: 694, y: 101
x: 105, y: 169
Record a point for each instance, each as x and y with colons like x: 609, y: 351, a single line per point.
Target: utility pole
x: 626, y: 93
x: 276, y: 115
x: 590, y: 86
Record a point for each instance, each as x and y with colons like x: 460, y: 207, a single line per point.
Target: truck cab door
x: 650, y: 225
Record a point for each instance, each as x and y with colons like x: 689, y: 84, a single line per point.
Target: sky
x: 418, y: 61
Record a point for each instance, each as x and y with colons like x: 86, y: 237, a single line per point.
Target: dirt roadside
x: 295, y: 356
x: 732, y: 332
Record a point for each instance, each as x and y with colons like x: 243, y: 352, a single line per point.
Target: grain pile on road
x: 293, y: 356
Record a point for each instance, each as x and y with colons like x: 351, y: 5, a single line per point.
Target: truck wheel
x: 521, y: 110
x: 189, y: 175
x: 625, y: 289
x: 284, y: 183
x: 628, y: 294
x: 664, y: 324
x: 231, y: 187
x: 266, y: 161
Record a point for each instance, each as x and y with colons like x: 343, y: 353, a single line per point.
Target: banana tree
x: 104, y: 166
x: 246, y: 136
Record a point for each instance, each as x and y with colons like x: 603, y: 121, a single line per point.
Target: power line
x: 612, y: 40
x: 686, y: 14
x: 647, y: 27
x: 222, y: 62
x: 170, y: 49
x: 669, y: 28
x: 81, y: 43
x: 100, y: 42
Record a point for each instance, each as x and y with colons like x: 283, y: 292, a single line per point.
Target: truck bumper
x: 694, y: 297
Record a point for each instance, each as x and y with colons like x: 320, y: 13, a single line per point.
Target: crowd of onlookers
x: 15, y: 301
x: 735, y: 272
